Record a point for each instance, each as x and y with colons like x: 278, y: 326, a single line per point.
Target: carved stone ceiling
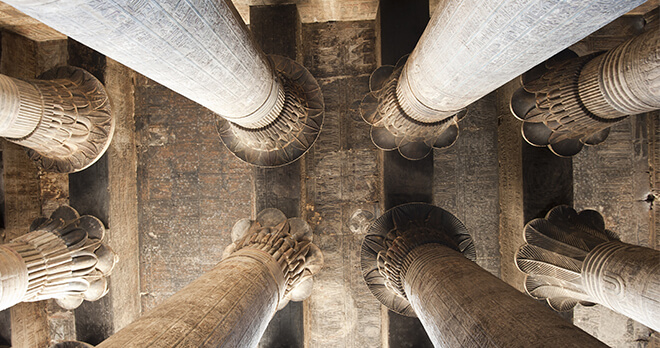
x: 318, y: 10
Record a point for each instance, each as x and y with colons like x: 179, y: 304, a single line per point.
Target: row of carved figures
x: 417, y: 260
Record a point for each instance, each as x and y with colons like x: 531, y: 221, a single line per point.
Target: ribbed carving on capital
x: 63, y: 119
x: 571, y: 258
x: 294, y: 128
x: 289, y: 244
x: 62, y: 257
x: 569, y: 101
x: 393, y: 128
x: 72, y: 344
x: 390, y: 243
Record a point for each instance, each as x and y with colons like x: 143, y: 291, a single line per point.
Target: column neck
x: 22, y: 108
x: 415, y: 108
x: 626, y: 279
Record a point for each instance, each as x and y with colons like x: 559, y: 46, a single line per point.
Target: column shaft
x: 625, y: 278
x: 199, y: 49
x: 624, y: 81
x: 471, y: 47
x: 570, y: 258
x: 230, y: 306
x: 571, y: 101
x: 462, y: 305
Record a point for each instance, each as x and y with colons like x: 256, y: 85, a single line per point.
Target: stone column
x: 469, y: 49
x: 570, y: 101
x: 63, y: 118
x: 72, y: 344
x: 418, y: 260
x: 571, y: 258
x: 271, y: 108
x: 62, y: 257
x: 270, y: 262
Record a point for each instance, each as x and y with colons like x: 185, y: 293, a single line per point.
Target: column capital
x: 282, y: 245
x: 569, y: 101
x: 291, y: 131
x: 392, y: 240
x: 397, y: 124
x: 63, y: 257
x: 63, y: 118
x: 571, y: 258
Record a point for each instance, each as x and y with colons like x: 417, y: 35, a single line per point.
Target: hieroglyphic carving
x: 270, y: 111
x: 412, y: 261
x: 288, y: 241
x: 569, y: 101
x: 571, y: 258
x: 468, y: 50
x: 271, y: 261
x: 62, y: 257
x: 295, y: 128
x: 392, y: 128
x: 394, y: 235
x: 63, y: 119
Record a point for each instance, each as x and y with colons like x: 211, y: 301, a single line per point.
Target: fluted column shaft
x: 199, y: 49
x: 472, y: 47
x: 462, y: 305
x: 229, y: 306
x: 625, y: 278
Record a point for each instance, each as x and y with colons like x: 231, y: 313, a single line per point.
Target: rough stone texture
x: 342, y: 176
x: 30, y: 193
x: 18, y: 22
x: 348, y: 54
x: 620, y: 167
x: 277, y: 30
x: 318, y: 10
x: 191, y: 191
x: 465, y: 180
x: 457, y: 301
x: 122, y: 222
x: 510, y: 188
x: 547, y: 181
x: 653, y: 128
